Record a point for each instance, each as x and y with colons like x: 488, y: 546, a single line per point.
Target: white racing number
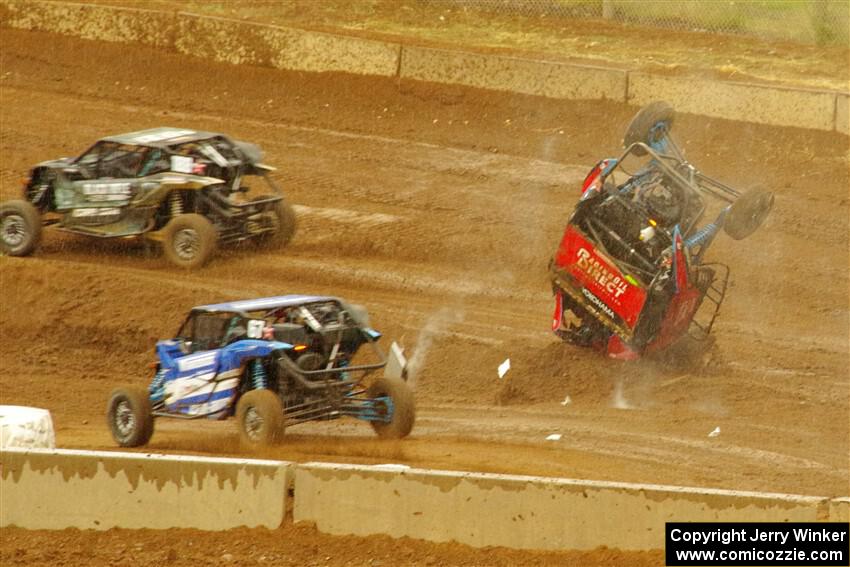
x: 255, y: 328
x: 182, y: 164
x: 106, y: 191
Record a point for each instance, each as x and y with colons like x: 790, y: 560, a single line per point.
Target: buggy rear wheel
x: 20, y: 228
x: 260, y: 417
x: 748, y: 213
x: 401, y: 409
x: 284, y: 216
x: 649, y: 125
x: 189, y: 240
x: 129, y: 417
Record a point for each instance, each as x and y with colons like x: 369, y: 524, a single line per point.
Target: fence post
x: 608, y: 9
x: 821, y: 23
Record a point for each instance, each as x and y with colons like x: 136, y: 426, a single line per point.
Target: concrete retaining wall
x: 525, y: 512
x: 89, y: 21
x: 495, y: 72
x: 839, y: 510
x: 57, y: 489
x: 219, y: 39
x: 240, y: 42
x: 737, y: 101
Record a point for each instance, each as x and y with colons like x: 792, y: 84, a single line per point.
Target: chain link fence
x: 807, y: 21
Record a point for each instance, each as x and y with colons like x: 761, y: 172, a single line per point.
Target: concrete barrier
x: 839, y: 510
x: 57, y: 489
x: 240, y: 42
x: 24, y: 427
x: 219, y: 39
x: 745, y: 102
x: 523, y: 512
x: 90, y: 21
x: 502, y: 73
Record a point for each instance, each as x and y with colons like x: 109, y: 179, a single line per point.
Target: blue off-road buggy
x: 271, y: 362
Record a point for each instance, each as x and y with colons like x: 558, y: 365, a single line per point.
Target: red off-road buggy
x: 629, y: 276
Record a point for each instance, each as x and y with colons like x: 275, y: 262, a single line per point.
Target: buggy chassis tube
x: 698, y: 180
x: 301, y: 375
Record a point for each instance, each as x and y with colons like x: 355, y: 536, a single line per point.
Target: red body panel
x: 559, y: 311
x: 677, y: 319
x: 598, y: 275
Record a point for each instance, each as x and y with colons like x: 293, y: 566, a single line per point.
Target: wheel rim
x: 384, y: 408
x: 187, y: 243
x: 253, y: 424
x: 13, y: 230
x: 760, y: 211
x: 657, y: 132
x: 125, y: 420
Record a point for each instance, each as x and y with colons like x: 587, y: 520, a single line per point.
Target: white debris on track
x: 504, y: 367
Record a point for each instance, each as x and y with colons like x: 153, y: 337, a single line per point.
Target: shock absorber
x: 175, y: 203
x: 157, y: 387
x: 706, y: 234
x: 259, y: 379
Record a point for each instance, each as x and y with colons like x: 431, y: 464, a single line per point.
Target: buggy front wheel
x: 129, y: 417
x: 260, y: 417
x: 394, y: 401
x: 189, y: 240
x: 747, y: 214
x: 20, y: 228
x: 652, y: 123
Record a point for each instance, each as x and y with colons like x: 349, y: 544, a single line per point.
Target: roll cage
x: 614, y: 215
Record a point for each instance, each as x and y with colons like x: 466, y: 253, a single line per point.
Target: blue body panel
x: 206, y: 382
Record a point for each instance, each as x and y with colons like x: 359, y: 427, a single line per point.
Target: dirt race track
x: 438, y: 208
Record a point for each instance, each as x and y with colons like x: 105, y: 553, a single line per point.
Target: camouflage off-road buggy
x: 174, y: 186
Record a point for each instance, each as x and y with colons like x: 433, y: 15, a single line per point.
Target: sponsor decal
x: 598, y: 303
x: 598, y: 271
x: 102, y: 189
x: 96, y: 212
x: 195, y: 362
x: 613, y: 293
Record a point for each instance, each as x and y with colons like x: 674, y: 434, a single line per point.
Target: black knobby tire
x: 129, y: 417
x: 404, y: 408
x: 640, y: 129
x: 189, y: 240
x: 286, y: 224
x: 20, y: 228
x: 260, y: 417
x: 748, y: 213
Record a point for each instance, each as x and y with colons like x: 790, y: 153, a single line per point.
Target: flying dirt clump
x: 435, y: 324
